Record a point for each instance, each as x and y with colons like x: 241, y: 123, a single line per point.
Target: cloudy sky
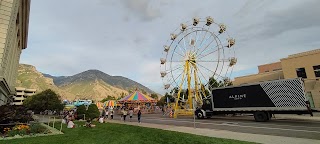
x: 126, y: 37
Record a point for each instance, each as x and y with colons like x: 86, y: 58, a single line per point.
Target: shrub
x: 37, y: 128
x: 92, y: 112
x: 12, y: 114
x: 13, y: 133
x: 80, y: 111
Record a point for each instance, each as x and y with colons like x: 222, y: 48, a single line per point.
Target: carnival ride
x: 199, y: 53
x: 137, y: 100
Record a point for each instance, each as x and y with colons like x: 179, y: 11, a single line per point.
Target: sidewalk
x: 316, y: 117
x: 265, y: 139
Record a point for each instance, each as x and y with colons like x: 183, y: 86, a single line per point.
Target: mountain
x: 91, y: 84
x: 91, y: 75
x: 29, y: 77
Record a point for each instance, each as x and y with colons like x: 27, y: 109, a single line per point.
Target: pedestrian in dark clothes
x: 139, y: 116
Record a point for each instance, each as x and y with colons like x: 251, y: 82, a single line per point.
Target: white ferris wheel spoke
x: 204, y: 40
x: 177, y: 44
x: 178, y: 54
x: 174, y: 69
x: 206, y: 47
x: 174, y: 79
x: 222, y: 60
x: 214, y: 73
x: 203, y: 56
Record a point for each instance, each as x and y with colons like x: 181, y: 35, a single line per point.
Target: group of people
x: 105, y: 114
x: 70, y: 116
x: 125, y: 112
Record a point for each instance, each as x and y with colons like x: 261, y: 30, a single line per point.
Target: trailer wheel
x: 260, y: 116
x: 199, y: 115
x: 269, y: 116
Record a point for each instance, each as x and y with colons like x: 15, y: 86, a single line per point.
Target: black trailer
x: 262, y: 99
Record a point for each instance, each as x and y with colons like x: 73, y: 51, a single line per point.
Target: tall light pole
x: 194, y: 116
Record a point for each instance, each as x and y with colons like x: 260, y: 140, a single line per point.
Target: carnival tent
x: 137, y: 97
x: 110, y: 103
x: 99, y: 105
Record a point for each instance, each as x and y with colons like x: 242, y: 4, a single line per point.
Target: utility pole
x: 193, y: 107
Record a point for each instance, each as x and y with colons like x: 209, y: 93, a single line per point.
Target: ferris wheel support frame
x: 195, y: 95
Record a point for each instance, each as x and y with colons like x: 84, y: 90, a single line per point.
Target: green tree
x: 204, y: 91
x: 213, y: 83
x: 163, y: 100
x: 108, y: 98
x: 92, y: 112
x: 229, y: 83
x: 143, y: 91
x: 154, y: 96
x: 46, y: 100
x: 81, y: 110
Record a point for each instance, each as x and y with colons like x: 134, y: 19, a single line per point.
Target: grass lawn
x: 111, y: 133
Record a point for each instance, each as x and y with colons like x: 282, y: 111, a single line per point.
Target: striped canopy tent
x: 137, y: 97
x: 99, y: 105
x: 110, y: 104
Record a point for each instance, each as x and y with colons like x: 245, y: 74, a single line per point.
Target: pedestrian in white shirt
x: 71, y: 124
x: 101, y: 120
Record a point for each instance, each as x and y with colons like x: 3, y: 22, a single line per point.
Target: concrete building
x: 14, y: 19
x: 270, y: 67
x: 21, y: 95
x: 305, y: 65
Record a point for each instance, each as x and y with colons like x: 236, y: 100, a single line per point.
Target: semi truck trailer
x: 263, y: 99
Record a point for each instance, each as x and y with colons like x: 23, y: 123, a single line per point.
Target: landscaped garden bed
x: 24, y: 130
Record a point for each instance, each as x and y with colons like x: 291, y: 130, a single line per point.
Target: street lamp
x: 194, y: 115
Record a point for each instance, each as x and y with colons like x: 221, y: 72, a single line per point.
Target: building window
x: 17, y: 20
x: 317, y: 70
x: 18, y: 33
x: 301, y: 72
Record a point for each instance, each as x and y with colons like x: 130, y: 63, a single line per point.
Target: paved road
x: 279, y: 127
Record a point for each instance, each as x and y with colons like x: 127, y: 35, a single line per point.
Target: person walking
x: 107, y: 114
x: 121, y: 114
x: 139, y: 116
x: 163, y: 111
x: 125, y: 113
x: 111, y: 114
x: 130, y: 114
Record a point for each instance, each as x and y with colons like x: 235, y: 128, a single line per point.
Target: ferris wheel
x: 197, y: 51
